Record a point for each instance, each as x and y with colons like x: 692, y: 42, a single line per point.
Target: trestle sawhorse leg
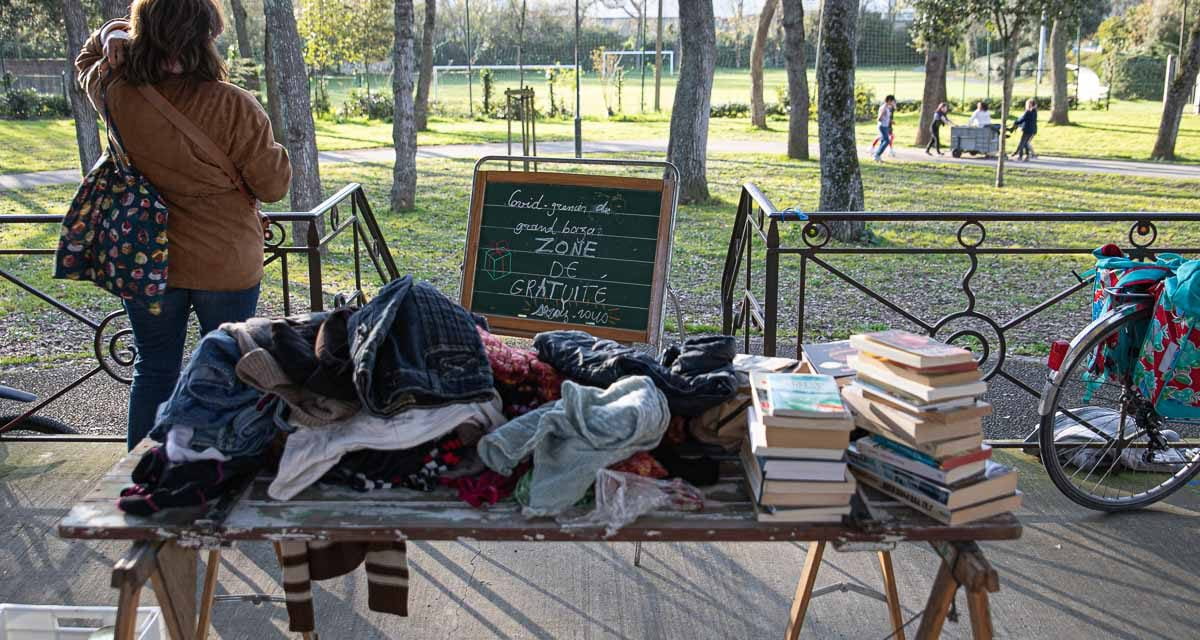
x: 962, y: 564
x: 808, y: 578
x: 172, y: 571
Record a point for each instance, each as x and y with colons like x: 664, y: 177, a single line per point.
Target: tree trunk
x: 273, y: 112
x: 841, y: 181
x: 797, y: 74
x: 404, y: 134
x: 935, y: 91
x: 1059, y: 102
x: 295, y: 107
x: 241, y: 24
x: 421, y: 109
x: 86, y: 133
x: 110, y: 9
x: 758, y: 110
x: 1177, y: 95
x: 687, y: 146
x: 1010, y: 70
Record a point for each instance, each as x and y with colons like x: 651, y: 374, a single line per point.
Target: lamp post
x: 578, y: 121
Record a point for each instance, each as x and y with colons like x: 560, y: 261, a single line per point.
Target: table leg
x: 211, y: 569
x: 174, y: 582
x: 808, y: 578
x: 893, y: 599
x: 981, y: 615
x: 129, y: 575
x: 940, y: 599
x: 127, y: 606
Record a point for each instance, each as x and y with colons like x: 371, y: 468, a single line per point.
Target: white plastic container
x: 44, y: 622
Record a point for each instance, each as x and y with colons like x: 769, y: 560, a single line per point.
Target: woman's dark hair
x: 174, y: 37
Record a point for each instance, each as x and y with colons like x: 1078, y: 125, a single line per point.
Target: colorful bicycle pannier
x: 1115, y: 357
x: 1168, y: 369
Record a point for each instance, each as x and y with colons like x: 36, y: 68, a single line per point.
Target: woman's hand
x: 114, y: 48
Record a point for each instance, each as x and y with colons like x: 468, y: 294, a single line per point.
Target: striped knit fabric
x: 387, y: 575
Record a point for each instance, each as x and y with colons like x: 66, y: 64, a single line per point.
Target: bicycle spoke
x: 1085, y: 424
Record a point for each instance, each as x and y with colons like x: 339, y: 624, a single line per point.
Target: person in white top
x: 982, y: 117
x: 887, y: 111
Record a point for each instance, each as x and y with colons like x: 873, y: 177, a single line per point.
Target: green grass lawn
x: 1126, y: 132
x: 450, y: 94
x: 37, y: 145
x: 428, y: 241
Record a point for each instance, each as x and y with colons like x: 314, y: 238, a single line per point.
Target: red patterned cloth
x: 641, y: 464
x: 524, y: 382
x: 487, y: 488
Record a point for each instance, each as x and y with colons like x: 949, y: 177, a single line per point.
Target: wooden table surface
x: 332, y: 513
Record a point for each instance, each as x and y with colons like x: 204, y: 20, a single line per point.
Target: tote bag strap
x: 197, y: 136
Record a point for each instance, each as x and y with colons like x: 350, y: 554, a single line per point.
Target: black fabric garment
x: 1023, y: 149
x: 695, y: 377
x: 698, y: 469
x: 417, y: 468
x: 1027, y: 122
x: 314, y: 352
x: 159, y: 485
x: 935, y: 139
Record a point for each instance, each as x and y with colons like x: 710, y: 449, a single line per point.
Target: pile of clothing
x: 411, y: 391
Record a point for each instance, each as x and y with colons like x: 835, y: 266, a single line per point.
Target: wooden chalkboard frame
x: 524, y: 327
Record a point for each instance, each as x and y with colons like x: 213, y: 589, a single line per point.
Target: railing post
x: 316, y: 299
x: 771, y: 304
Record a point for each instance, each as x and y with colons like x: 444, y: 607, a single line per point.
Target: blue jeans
x: 885, y: 138
x: 160, y: 341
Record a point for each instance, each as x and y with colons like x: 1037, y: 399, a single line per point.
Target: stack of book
x: 795, y: 456
x: 920, y: 399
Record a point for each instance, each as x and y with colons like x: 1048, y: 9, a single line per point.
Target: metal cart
x: 975, y: 140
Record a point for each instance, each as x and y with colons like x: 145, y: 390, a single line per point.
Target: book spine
x: 928, y: 489
x: 891, y: 457
x: 915, y: 500
x: 908, y: 452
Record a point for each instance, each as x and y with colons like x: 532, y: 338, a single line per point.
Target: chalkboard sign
x: 550, y: 251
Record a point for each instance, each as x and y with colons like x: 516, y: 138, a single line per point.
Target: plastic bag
x: 622, y: 497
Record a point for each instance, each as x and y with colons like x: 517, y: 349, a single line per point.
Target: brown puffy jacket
x: 216, y: 239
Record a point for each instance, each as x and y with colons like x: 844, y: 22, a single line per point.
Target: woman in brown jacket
x: 215, y: 235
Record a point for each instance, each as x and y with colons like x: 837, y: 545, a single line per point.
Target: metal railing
x: 750, y: 299
x: 345, y: 211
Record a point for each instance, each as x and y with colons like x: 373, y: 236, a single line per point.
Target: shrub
x: 1135, y: 76
x: 488, y: 90
x: 865, y: 107
x: 729, y: 110
x: 27, y: 104
x: 377, y: 106
x: 320, y: 102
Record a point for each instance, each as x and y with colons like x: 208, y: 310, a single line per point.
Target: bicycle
x: 24, y: 422
x: 1103, y: 442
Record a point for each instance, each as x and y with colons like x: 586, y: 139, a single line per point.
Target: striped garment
x: 387, y: 575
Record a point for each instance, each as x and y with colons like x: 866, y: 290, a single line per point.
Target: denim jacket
x: 223, y: 412
x: 412, y: 346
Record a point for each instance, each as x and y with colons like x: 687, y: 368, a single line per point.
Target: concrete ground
x: 1074, y: 574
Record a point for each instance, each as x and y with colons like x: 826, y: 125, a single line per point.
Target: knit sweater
x: 303, y: 562
x: 216, y: 239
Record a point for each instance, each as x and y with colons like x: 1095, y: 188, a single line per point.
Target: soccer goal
x: 457, y: 73
x: 649, y: 55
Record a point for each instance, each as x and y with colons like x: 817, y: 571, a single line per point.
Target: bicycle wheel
x: 1102, y: 443
x: 39, y: 425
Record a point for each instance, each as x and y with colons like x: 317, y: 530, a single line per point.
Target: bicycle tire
x: 38, y: 424
x: 1052, y: 460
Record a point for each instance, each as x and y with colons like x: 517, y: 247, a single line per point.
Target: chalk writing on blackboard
x: 575, y: 254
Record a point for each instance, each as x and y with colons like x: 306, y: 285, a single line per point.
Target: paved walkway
x: 1074, y: 574
x: 385, y: 155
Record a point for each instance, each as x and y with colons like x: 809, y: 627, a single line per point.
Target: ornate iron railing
x: 345, y: 211
x: 750, y: 299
